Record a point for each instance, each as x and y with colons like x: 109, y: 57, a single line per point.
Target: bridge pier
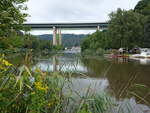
x: 98, y: 28
x: 57, y: 36
x: 60, y: 37
x: 54, y: 36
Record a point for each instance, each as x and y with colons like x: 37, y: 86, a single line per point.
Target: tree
x: 147, y: 34
x: 95, y: 42
x: 11, y: 16
x: 143, y: 7
x: 126, y: 29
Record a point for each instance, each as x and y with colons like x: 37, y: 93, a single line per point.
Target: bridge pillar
x: 55, y: 63
x: 54, y: 36
x: 60, y: 37
x: 98, y: 28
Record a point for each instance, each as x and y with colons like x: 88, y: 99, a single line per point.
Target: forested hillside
x: 68, y: 40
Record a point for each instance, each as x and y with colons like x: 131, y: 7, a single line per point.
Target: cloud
x: 42, y: 11
x: 74, y: 10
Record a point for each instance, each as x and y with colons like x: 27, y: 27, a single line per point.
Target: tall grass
x: 26, y: 91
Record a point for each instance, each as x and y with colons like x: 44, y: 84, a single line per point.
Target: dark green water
x: 122, y: 78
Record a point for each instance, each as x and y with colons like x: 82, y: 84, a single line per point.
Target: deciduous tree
x: 11, y: 16
x: 126, y: 29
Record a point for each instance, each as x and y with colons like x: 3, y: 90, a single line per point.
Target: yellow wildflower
x: 40, y: 87
x: 38, y: 83
x: 5, y: 62
x: 32, y: 93
x: 50, y: 104
x: 38, y: 70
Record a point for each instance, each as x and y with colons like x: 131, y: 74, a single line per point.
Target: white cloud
x: 42, y: 11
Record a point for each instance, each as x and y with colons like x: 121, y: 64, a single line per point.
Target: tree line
x: 127, y: 29
x: 12, y: 32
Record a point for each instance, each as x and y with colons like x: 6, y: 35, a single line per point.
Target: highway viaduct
x: 58, y: 26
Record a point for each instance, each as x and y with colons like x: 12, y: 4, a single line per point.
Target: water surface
x: 122, y: 78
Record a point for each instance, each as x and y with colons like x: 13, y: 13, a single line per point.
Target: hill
x: 68, y: 40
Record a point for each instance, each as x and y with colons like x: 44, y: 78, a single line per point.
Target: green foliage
x: 24, y: 95
x: 95, y: 42
x: 143, y: 7
x: 147, y: 34
x: 32, y: 42
x: 24, y: 41
x: 37, y: 92
x: 126, y: 29
x: 68, y: 40
x: 12, y: 42
x: 58, y: 48
x: 11, y: 16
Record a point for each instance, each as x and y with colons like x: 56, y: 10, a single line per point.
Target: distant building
x: 145, y: 50
x: 76, y: 49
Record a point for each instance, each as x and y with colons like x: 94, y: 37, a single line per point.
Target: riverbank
x: 38, y: 89
x: 25, y: 50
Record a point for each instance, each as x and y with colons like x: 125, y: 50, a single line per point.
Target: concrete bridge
x: 58, y: 26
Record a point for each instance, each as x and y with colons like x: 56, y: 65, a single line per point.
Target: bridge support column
x: 55, y: 63
x: 54, y: 36
x: 98, y: 28
x: 60, y: 37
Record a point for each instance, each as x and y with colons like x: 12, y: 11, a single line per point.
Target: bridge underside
x: 57, y: 37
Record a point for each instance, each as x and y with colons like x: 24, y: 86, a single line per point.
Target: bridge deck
x: 66, y: 25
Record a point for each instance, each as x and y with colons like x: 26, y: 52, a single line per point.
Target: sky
x: 52, y: 11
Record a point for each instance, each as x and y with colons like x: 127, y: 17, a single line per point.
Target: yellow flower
x: 38, y: 83
x: 32, y: 93
x: 50, y: 104
x: 5, y: 62
x: 37, y: 70
x: 46, y: 87
x: 39, y: 86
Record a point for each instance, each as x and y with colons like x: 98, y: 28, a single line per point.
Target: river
x: 125, y: 79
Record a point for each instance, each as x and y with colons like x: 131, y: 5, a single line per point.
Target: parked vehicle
x: 145, y: 53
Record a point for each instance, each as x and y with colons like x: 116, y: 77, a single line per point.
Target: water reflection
x: 143, y: 61
x: 60, y: 63
x: 81, y: 86
x: 121, y: 76
x: 118, y: 76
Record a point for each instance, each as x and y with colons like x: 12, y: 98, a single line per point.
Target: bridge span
x: 58, y: 26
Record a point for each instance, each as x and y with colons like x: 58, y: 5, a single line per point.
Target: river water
x: 125, y: 79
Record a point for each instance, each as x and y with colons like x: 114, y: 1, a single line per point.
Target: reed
x: 27, y: 91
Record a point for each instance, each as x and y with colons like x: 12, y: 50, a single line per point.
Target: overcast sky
x: 51, y: 11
